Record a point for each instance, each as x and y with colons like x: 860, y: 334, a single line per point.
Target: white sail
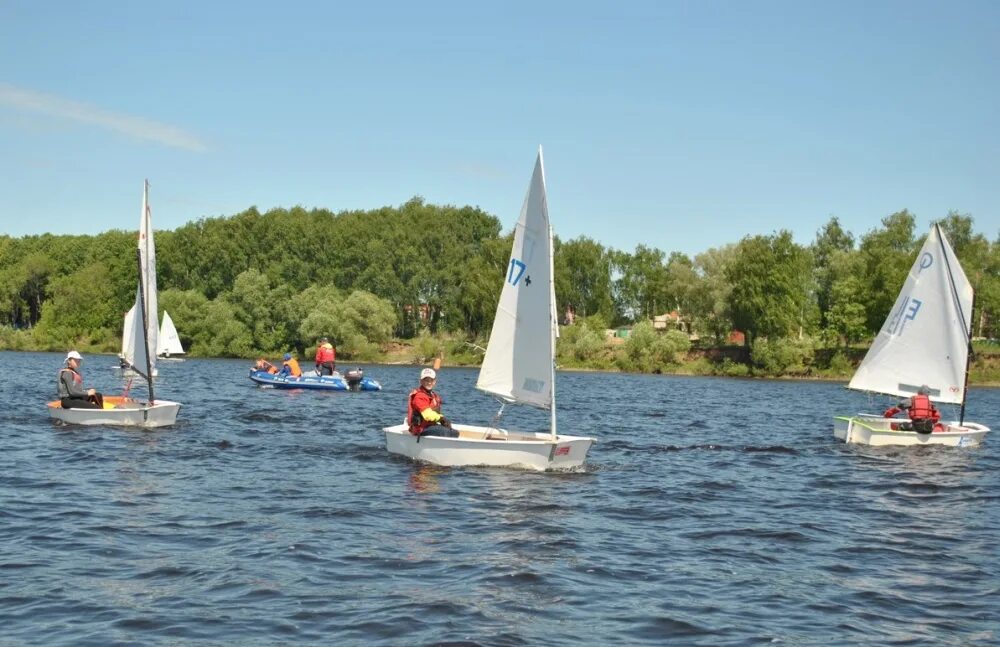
x: 518, y: 365
x: 136, y: 353
x: 168, y: 343
x: 925, y: 340
x: 127, y: 332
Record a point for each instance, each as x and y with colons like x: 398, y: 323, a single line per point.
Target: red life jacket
x: 920, y: 407
x: 413, y: 417
x: 325, y: 353
x: 76, y: 376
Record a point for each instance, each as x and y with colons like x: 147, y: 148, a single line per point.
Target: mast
x: 145, y: 326
x: 553, y: 332
x: 968, y: 333
x: 968, y: 361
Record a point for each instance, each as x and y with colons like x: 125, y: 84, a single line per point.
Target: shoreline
x: 567, y: 369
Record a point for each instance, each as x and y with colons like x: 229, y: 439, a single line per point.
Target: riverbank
x: 834, y: 365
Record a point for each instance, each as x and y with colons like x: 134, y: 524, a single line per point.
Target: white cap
x: 74, y: 355
x: 428, y: 373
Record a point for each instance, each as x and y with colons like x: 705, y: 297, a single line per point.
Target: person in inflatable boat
x: 290, y: 367
x: 72, y: 393
x: 924, y: 416
x: 264, y: 365
x: 326, y: 357
x: 423, y: 412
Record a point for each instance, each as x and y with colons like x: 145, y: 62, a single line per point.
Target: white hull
x: 876, y: 431
x: 491, y: 447
x: 120, y: 412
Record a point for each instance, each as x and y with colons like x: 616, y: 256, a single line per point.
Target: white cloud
x: 138, y: 127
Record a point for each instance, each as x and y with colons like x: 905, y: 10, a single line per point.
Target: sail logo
x: 907, y: 311
x: 533, y: 385
x: 516, y: 271
x: 926, y: 260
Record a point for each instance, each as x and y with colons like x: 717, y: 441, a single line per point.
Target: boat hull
x: 311, y: 382
x: 119, y: 412
x: 877, y: 431
x: 490, y: 446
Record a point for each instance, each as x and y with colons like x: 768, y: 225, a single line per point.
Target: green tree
x: 641, y: 286
x: 189, y: 311
x: 709, y: 296
x: 81, y: 308
x: 846, y: 314
x: 887, y: 254
x: 832, y: 242
x: 768, y: 296
x: 583, y: 278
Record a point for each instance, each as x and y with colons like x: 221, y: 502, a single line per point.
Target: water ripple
x: 269, y: 518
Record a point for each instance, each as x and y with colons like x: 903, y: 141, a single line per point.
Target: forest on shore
x: 420, y: 280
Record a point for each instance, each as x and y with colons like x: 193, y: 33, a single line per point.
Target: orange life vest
x: 293, y: 367
x: 413, y: 417
x: 920, y: 407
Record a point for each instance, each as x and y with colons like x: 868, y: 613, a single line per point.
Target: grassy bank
x: 783, y: 359
x: 728, y: 361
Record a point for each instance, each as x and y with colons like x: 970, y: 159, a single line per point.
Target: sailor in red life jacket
x: 423, y: 412
x: 326, y: 357
x: 923, y: 414
x: 72, y: 395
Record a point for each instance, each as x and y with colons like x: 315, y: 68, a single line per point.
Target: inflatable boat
x: 353, y: 380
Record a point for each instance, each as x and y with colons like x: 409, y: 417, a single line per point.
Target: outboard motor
x: 354, y: 378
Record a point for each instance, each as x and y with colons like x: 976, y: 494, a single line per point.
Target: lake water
x: 712, y: 512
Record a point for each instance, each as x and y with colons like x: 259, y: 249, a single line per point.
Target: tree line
x: 256, y: 283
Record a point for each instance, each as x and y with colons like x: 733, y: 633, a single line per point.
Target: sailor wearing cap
x: 423, y: 412
x: 69, y: 386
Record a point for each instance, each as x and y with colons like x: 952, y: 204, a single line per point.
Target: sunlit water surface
x: 711, y: 512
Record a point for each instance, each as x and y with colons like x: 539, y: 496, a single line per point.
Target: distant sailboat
x: 128, y: 323
x: 138, y: 340
x: 926, y: 340
x: 519, y: 366
x: 169, y: 343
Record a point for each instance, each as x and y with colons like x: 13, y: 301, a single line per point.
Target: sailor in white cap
x: 72, y: 394
x: 423, y: 412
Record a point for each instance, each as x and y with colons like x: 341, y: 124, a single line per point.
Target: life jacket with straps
x: 62, y: 391
x: 920, y: 407
x: 413, y: 417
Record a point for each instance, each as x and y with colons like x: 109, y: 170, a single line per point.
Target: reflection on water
x: 424, y: 478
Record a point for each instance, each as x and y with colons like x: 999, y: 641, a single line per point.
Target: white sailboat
x: 519, y: 366
x: 926, y: 340
x: 129, y: 322
x: 169, y: 343
x: 139, y: 339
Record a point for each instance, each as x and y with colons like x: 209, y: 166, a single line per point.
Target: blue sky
x: 680, y: 125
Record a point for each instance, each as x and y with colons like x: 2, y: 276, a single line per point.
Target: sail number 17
x: 516, y: 271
